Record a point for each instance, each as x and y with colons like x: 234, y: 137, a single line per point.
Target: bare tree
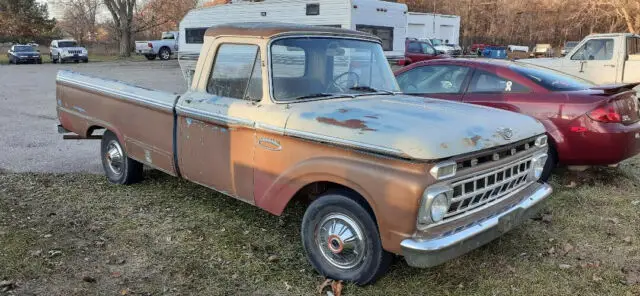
x: 79, y: 19
x: 122, y: 12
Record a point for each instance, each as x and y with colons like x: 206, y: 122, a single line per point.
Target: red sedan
x: 587, y: 124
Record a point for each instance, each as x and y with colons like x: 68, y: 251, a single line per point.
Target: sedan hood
x: 409, y: 127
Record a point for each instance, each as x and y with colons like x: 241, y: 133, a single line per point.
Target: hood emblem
x: 505, y: 132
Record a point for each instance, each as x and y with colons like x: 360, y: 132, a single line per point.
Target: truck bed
x: 142, y: 118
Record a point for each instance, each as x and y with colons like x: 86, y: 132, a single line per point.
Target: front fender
x: 393, y: 193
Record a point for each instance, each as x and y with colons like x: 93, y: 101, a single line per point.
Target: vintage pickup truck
x: 279, y: 112
x: 600, y: 58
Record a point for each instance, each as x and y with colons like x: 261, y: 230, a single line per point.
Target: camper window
x: 194, y: 35
x: 384, y: 33
x: 236, y: 72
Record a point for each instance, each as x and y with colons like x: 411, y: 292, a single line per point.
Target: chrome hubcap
x: 340, y: 241
x: 165, y: 54
x: 114, y: 157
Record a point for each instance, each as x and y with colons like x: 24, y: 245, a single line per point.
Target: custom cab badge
x: 269, y: 144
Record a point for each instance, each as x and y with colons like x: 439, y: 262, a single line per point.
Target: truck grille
x: 488, y: 187
x: 75, y: 51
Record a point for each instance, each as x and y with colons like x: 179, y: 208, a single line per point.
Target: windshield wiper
x: 322, y: 95
x: 371, y: 89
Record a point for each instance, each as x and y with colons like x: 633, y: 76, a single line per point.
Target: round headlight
x: 538, y: 163
x: 439, y: 207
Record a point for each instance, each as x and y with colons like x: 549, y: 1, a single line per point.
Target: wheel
x: 53, y: 60
x: 40, y: 61
x: 60, y: 60
x: 341, y: 239
x: 150, y: 57
x: 164, y: 53
x: 119, y: 168
x: 552, y: 162
x: 85, y: 61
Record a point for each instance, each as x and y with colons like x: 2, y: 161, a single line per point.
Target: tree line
x: 523, y: 22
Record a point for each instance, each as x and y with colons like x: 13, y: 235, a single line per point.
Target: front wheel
x: 341, y: 239
x: 550, y: 165
x: 119, y: 168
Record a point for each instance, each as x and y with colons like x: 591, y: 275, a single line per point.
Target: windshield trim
x: 293, y: 36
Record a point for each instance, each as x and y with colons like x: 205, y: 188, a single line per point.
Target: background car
x: 23, y: 54
x: 568, y: 47
x: 66, y: 51
x: 587, y: 124
x: 418, y: 50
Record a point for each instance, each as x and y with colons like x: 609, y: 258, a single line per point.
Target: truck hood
x: 76, y: 48
x: 408, y: 127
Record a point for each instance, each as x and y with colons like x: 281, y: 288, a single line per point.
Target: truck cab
x: 600, y: 58
x: 278, y: 113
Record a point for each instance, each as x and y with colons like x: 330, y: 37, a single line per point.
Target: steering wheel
x: 344, y: 78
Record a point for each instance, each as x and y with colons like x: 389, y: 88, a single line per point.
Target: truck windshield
x: 166, y: 36
x: 308, y: 68
x: 551, y: 79
x: 63, y: 44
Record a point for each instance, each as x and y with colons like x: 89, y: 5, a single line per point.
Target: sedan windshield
x: 311, y: 68
x: 23, y: 48
x: 67, y: 44
x: 551, y: 79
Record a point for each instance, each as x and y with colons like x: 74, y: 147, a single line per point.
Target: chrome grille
x: 485, y: 188
x: 75, y: 51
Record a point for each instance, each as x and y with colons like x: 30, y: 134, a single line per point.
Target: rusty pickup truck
x: 280, y: 112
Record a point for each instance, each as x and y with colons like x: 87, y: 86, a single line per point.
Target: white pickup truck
x: 163, y: 48
x: 600, y: 58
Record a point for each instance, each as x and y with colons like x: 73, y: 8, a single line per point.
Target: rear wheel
x: 164, y: 53
x: 119, y: 168
x: 341, y: 239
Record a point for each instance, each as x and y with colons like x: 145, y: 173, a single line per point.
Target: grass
x: 167, y: 236
x: 4, y: 60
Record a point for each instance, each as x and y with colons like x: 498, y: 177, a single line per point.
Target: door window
x: 443, y: 79
x: 427, y: 49
x: 414, y: 47
x: 485, y: 82
x: 595, y: 50
x: 237, y: 72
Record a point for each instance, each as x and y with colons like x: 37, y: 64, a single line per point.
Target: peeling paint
x: 349, y: 123
x: 473, y: 141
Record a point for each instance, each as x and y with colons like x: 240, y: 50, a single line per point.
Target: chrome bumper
x: 428, y: 253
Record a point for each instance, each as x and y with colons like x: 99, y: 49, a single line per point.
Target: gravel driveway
x: 28, y: 137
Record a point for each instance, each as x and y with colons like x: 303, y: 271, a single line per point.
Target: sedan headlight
x: 435, y: 205
x: 537, y: 163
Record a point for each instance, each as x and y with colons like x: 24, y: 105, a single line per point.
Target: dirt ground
x: 76, y: 234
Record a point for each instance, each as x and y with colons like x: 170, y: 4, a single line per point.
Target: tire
x: 85, y: 61
x: 150, y: 57
x: 550, y: 165
x: 53, y: 61
x: 164, y: 53
x: 60, y: 60
x: 118, y: 167
x: 321, y: 245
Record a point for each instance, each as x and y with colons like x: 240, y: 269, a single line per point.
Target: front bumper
x: 28, y: 59
x: 74, y: 58
x: 432, y: 252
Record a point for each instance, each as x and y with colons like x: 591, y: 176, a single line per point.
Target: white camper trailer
x: 387, y: 20
x: 434, y: 26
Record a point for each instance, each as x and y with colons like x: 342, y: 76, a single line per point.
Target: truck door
x: 597, y: 60
x: 215, y: 121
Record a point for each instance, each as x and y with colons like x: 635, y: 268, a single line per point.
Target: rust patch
x: 473, y: 141
x: 444, y: 146
x: 349, y: 123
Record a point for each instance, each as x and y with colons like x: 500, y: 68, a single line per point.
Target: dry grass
x: 169, y: 237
